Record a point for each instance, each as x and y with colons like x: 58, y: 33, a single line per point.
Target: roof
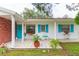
x: 10, y: 12
x: 43, y: 19
x: 7, y: 11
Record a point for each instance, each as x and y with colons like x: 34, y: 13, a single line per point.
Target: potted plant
x: 54, y: 43
x: 36, y: 41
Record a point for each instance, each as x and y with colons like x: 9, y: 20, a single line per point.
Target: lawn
x: 68, y: 49
x: 33, y: 52
x: 71, y: 48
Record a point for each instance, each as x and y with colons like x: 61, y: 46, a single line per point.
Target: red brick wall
x: 5, y: 30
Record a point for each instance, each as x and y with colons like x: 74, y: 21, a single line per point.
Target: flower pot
x: 36, y: 44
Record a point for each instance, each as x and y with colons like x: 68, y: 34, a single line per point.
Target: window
x: 66, y: 28
x: 63, y: 28
x: 30, y: 29
x: 43, y: 28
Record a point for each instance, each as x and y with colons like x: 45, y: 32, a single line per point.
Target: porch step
x: 68, y: 40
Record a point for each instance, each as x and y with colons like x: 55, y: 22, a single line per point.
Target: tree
x: 73, y: 7
x: 77, y: 19
x: 44, y: 7
x: 28, y: 13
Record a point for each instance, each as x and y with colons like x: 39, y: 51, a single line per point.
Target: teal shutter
x: 39, y: 28
x: 19, y: 31
x: 59, y: 28
x: 47, y: 28
x: 72, y: 28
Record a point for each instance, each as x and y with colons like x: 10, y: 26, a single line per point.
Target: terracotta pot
x: 36, y: 44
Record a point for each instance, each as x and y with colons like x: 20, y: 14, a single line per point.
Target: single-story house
x: 14, y: 29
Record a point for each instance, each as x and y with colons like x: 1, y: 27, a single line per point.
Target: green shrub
x: 36, y: 38
x: 3, y: 50
x: 54, y: 43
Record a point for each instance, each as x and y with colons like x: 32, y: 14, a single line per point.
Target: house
x: 14, y: 29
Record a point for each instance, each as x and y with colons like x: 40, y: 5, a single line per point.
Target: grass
x: 33, y: 52
x: 71, y: 49
x: 3, y: 50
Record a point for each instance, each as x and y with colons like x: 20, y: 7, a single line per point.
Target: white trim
x: 7, y: 11
x: 24, y: 27
x: 11, y: 13
x: 55, y: 30
x: 22, y: 34
x: 13, y: 31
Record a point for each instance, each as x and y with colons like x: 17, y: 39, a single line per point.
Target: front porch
x: 21, y: 39
x: 30, y: 44
x: 43, y: 43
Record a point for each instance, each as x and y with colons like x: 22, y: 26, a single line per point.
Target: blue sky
x: 19, y: 5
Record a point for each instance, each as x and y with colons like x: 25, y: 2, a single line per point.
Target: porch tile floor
x: 29, y: 44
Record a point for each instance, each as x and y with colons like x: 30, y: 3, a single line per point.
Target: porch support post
x: 55, y: 30
x: 24, y: 27
x: 22, y: 33
x: 13, y: 31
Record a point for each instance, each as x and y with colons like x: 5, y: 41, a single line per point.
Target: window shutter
x: 39, y: 28
x: 59, y: 28
x: 47, y: 28
x: 19, y: 31
x: 72, y: 28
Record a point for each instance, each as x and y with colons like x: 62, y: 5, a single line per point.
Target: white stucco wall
x: 59, y: 35
x: 50, y: 30
x: 72, y: 35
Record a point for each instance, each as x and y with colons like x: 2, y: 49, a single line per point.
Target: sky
x: 19, y: 5
x: 61, y: 10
